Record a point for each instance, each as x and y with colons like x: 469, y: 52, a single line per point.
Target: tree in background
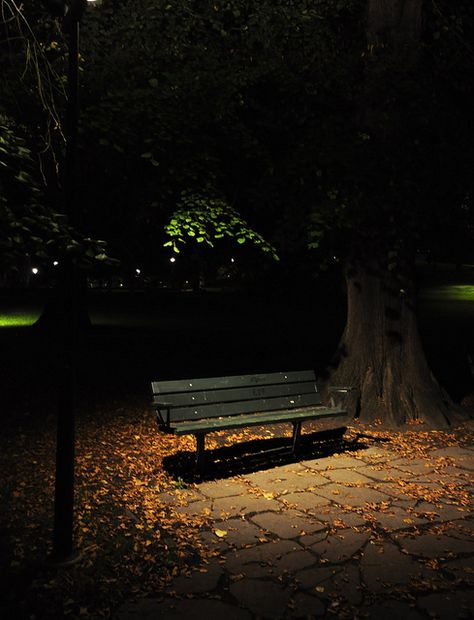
x: 339, y: 125
x: 409, y: 173
x: 34, y: 228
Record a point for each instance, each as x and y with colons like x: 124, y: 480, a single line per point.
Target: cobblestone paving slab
x: 342, y: 547
x: 366, y: 534
x: 433, y: 546
x: 171, y: 609
x: 264, y: 599
x: 379, y: 474
x: 285, y: 481
x: 462, y: 569
x: 221, y: 488
x: 346, y: 476
x: 334, y: 462
x: 305, y: 501
x: 226, y: 507
x: 201, y: 581
x: 333, y: 583
x: 287, y: 524
x: 396, y: 518
x: 376, y: 454
x: 344, y: 517
x: 241, y: 532
x: 384, y: 566
x: 448, y: 605
x: 440, y: 512
x: 266, y: 553
x: 305, y: 606
x: 391, y: 610
x: 352, y: 496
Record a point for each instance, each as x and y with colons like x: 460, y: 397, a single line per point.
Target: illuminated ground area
x: 384, y: 524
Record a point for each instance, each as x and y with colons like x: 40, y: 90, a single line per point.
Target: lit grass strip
x: 18, y: 319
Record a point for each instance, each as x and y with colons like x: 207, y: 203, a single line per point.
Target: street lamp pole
x: 63, y: 552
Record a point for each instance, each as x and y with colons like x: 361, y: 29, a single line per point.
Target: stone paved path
x: 368, y: 534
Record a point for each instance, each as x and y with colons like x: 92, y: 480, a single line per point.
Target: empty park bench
x: 200, y: 406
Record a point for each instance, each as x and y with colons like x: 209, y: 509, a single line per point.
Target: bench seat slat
x: 339, y: 416
x: 192, y: 399
x: 247, y: 406
x: 201, y: 406
x: 216, y: 383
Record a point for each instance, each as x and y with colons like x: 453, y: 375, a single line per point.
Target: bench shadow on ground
x: 257, y: 454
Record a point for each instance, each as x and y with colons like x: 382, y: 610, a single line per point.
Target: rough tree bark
x: 380, y: 352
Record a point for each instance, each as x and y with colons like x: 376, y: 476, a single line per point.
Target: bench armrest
x: 338, y: 394
x: 159, y: 418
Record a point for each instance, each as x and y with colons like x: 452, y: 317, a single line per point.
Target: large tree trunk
x: 381, y: 354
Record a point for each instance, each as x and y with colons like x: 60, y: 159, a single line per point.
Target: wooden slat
x: 192, y: 399
x: 246, y: 406
x: 340, y: 417
x: 234, y: 381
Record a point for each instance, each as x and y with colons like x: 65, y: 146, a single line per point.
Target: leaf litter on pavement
x: 129, y: 528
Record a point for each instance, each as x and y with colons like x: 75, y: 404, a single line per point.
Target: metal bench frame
x: 200, y: 406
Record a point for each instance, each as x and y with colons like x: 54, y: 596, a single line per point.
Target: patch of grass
x: 451, y: 293
x: 18, y: 319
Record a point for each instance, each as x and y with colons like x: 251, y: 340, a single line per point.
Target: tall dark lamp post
x: 64, y: 553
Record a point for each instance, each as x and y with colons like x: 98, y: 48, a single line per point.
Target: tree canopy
x: 310, y: 128
x: 257, y: 106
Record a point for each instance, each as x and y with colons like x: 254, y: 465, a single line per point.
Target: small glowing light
x: 35, y: 270
x: 172, y: 259
x: 55, y: 263
x: 121, y: 284
x: 138, y: 271
x: 232, y: 260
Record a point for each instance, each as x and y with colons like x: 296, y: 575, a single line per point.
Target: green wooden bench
x: 200, y: 406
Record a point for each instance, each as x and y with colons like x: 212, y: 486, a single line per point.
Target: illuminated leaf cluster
x: 204, y: 220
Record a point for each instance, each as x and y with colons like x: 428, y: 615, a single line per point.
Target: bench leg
x: 296, y: 436
x: 200, y: 439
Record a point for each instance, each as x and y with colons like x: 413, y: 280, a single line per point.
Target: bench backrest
x: 193, y: 399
